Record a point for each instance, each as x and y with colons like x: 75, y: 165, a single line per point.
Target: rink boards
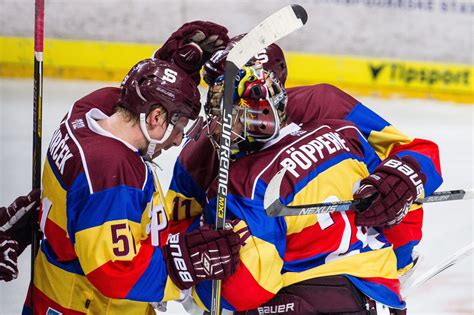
x: 110, y: 61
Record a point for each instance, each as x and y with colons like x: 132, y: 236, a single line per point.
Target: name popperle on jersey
x: 304, y: 156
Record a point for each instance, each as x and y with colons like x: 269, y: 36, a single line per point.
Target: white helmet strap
x: 152, y: 143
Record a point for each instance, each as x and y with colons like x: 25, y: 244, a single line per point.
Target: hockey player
x: 15, y: 232
x: 105, y: 249
x: 375, y: 139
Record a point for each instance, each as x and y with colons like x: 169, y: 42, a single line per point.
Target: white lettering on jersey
x: 170, y: 75
x: 317, y: 149
x: 59, y: 150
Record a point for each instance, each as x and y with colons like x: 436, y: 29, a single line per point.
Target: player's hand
x: 18, y: 214
x: 192, y: 45
x: 203, y: 254
x: 8, y: 258
x: 387, y: 194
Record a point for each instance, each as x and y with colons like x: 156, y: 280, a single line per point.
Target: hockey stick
x: 437, y: 269
x: 275, y: 208
x: 37, y: 125
x: 276, y: 26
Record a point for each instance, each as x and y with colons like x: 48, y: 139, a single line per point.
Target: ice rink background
x: 448, y: 225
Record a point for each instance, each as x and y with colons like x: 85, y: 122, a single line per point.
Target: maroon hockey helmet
x: 156, y: 82
x: 271, y: 57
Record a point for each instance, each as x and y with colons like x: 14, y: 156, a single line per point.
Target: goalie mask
x: 259, y: 101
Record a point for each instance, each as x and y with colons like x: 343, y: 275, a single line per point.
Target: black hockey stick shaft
x: 231, y: 70
x: 276, y: 26
x: 275, y: 208
x: 37, y: 126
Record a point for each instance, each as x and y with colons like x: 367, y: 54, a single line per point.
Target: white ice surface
x: 448, y: 225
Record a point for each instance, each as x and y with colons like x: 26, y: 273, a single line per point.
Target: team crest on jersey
x: 51, y: 311
x: 298, y: 133
x: 78, y: 123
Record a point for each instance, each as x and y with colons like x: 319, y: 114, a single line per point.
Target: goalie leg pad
x: 325, y: 295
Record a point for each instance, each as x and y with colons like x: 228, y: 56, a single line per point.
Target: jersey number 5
x: 120, y: 238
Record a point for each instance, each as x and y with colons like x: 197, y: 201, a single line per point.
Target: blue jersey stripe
x: 403, y: 254
x: 71, y: 266
x: 117, y: 203
x: 204, y: 290
x: 269, y: 229
x: 371, y: 159
x: 56, y: 174
x: 184, y: 184
x: 150, y: 286
x: 378, y: 292
x: 366, y: 120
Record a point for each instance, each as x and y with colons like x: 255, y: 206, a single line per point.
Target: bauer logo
x: 412, y: 74
x: 277, y: 309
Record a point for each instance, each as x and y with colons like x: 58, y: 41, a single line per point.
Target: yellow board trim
x: 72, y: 59
x: 110, y: 61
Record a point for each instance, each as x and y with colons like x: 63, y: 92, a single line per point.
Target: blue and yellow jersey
x: 339, y: 142
x: 103, y: 220
x: 325, y: 101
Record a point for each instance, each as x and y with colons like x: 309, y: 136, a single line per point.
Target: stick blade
x: 300, y: 13
x: 469, y: 194
x: 273, y: 28
x: 271, y: 199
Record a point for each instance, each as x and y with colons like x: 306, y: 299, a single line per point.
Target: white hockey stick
x: 437, y: 269
x: 276, y: 26
x: 275, y: 208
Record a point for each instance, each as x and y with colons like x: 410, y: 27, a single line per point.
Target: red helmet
x: 156, y: 82
x: 271, y: 57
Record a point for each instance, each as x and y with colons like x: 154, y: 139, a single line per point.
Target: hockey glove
x: 19, y: 212
x: 201, y: 255
x: 387, y: 194
x: 8, y: 258
x: 192, y: 45
x: 17, y: 219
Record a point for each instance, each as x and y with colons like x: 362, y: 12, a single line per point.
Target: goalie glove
x: 387, y: 194
x: 203, y: 254
x: 192, y: 45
